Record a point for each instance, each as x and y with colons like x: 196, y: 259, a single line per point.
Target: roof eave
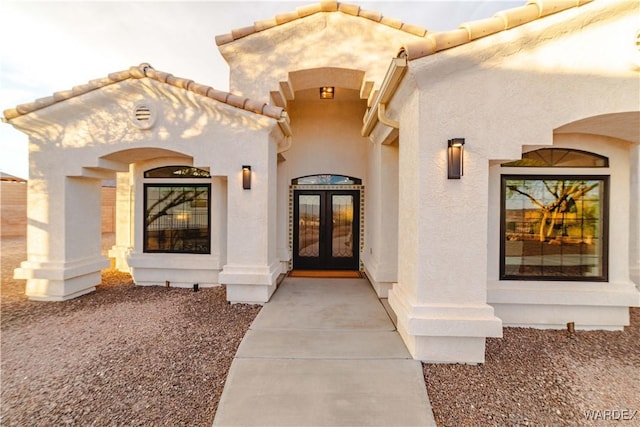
x: 504, y: 20
x: 312, y: 9
x: 141, y: 71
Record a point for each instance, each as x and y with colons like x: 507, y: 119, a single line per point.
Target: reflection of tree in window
x: 553, y: 228
x: 564, y: 193
x: 177, y: 218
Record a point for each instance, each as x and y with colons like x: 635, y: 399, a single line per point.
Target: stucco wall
x: 380, y: 251
x: 634, y: 226
x: 504, y: 92
x: 259, y: 62
x: 326, y: 136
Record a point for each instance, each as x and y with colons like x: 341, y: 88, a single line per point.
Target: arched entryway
x: 320, y: 203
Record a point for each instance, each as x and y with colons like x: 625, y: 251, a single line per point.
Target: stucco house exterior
x: 482, y: 177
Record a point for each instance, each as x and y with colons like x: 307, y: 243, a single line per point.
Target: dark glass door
x: 326, y: 229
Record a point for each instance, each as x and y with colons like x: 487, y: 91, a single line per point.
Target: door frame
x: 359, y: 188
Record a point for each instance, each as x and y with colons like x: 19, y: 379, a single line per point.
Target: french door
x: 326, y: 229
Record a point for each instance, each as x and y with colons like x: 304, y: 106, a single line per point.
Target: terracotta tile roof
x: 323, y: 6
x: 147, y: 71
x: 434, y: 42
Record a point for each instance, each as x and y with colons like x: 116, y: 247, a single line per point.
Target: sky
x: 48, y: 46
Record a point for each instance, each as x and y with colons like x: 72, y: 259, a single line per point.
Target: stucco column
x: 634, y: 228
x: 124, y: 222
x: 380, y: 255
x: 252, y: 267
x: 63, y: 237
x: 440, y: 296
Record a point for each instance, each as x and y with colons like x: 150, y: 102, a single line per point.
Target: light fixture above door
x: 327, y: 92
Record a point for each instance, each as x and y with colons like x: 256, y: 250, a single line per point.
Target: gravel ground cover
x: 123, y: 355
x: 544, y: 378
x: 127, y: 355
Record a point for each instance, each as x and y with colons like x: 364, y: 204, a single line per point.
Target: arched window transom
x: 326, y: 179
x: 560, y: 158
x: 177, y: 172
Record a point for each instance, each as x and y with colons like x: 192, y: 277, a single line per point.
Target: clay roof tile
x: 546, y: 7
x: 391, y: 22
x: 414, y: 29
x: 81, y: 89
x: 119, y: 75
x: 283, y: 18
x: 519, y: 15
x: 308, y: 10
x: 483, y: 27
x: 273, y: 111
x: 349, y: 9
x: 179, y: 82
x: 238, y: 33
x: 35, y: 105
x: 329, y: 6
x: 449, y: 39
x: 137, y: 72
x: 158, y: 75
x: 62, y: 95
x: 370, y: 14
x: 254, y: 106
x: 265, y: 24
x: 224, y: 39
x: 218, y: 95
x: 501, y: 21
x: 236, y: 101
x: 420, y: 48
x: 198, y: 88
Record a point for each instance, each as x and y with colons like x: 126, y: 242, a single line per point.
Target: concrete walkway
x: 323, y: 352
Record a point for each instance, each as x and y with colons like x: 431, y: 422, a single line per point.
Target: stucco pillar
x: 252, y: 267
x: 634, y: 228
x: 440, y: 296
x: 63, y: 238
x: 380, y: 256
x: 124, y: 222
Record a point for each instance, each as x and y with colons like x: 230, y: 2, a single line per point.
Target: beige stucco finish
x: 430, y: 243
x: 502, y: 93
x: 75, y: 145
x: 260, y: 62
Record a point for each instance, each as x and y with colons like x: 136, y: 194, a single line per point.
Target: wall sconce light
x: 327, y: 92
x: 246, y: 177
x: 455, y: 152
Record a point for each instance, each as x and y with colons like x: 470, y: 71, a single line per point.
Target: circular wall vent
x: 144, y: 115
